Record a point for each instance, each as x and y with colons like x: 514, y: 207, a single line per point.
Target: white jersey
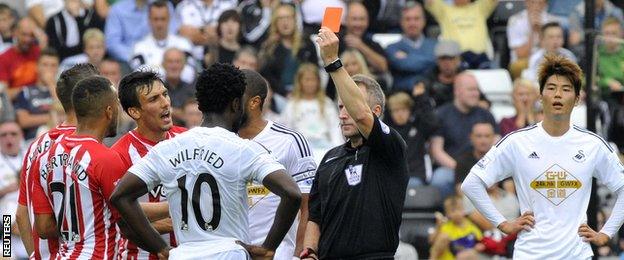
x: 150, y: 52
x: 553, y: 177
x: 291, y: 150
x: 204, y: 172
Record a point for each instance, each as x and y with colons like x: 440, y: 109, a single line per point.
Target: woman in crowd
x: 311, y: 113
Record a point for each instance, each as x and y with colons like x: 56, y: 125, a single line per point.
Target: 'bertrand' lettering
x: 197, y: 154
x: 6, y: 236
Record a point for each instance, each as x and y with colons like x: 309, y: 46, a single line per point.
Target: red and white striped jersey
x: 43, y: 248
x: 77, y: 177
x: 131, y: 148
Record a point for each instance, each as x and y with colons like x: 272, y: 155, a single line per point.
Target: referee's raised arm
x: 348, y: 91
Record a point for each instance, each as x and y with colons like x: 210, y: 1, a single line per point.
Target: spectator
x: 562, y: 8
x: 603, y: 10
x: 311, y: 113
x: 456, y: 236
x: 440, y: 78
x: 64, y: 29
x: 12, y: 150
x: 413, y: 55
x: 34, y: 102
x: 465, y: 22
x: 246, y: 58
x: 228, y: 30
x: 415, y: 120
x: 199, y: 21
x: 610, y: 56
x: 383, y: 14
x: 93, y: 52
x: 179, y: 90
x: 456, y: 121
x: 551, y: 42
x: 192, y: 116
x: 19, y: 63
x: 256, y: 19
x: 481, y: 138
x: 7, y: 20
x: 524, y: 97
x: 354, y: 62
x: 355, y: 37
x: 111, y: 69
x: 523, y: 33
x: 150, y: 50
x: 126, y: 24
x: 41, y: 10
x: 284, y: 50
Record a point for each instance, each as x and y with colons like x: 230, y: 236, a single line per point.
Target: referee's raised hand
x: 524, y: 222
x: 328, y: 43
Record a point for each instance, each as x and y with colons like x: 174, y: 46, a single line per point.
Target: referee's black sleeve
x: 314, y: 202
x: 387, y: 142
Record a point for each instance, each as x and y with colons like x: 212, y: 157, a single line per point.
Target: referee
x: 358, y: 193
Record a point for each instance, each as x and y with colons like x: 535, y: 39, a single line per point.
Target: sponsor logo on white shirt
x: 556, y: 184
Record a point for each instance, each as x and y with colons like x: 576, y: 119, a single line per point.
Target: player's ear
x: 236, y: 104
x: 134, y: 113
x: 109, y: 111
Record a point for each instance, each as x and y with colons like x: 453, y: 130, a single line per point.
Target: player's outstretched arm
x: 23, y: 223
x: 349, y: 92
x: 124, y: 198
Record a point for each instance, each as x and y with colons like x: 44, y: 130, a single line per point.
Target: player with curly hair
x: 552, y: 164
x: 205, y: 171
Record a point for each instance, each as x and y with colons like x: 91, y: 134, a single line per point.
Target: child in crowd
x: 456, y: 236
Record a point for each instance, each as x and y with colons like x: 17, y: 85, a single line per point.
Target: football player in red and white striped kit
x: 78, y: 174
x: 36, y: 247
x: 145, y: 99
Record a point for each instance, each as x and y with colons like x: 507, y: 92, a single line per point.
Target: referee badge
x: 354, y: 174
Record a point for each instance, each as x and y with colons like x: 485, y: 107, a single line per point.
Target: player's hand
x: 589, y: 235
x: 257, y: 252
x: 524, y: 222
x: 164, y: 254
x: 328, y: 43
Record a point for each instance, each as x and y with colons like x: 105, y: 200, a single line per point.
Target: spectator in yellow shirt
x: 456, y: 236
x: 466, y: 23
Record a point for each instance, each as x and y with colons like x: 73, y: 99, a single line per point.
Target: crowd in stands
x: 423, y: 53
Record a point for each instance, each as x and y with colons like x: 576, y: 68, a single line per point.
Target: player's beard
x: 112, y: 128
x: 240, y: 123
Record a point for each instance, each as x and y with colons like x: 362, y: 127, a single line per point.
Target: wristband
x: 334, y: 66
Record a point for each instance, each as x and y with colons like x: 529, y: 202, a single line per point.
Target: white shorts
x: 238, y: 254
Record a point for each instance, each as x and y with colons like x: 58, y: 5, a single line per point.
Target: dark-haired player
x: 145, y: 99
x: 205, y: 171
x: 78, y: 175
x: 35, y: 246
x: 552, y: 164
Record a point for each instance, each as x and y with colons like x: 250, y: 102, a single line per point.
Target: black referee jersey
x: 357, y: 197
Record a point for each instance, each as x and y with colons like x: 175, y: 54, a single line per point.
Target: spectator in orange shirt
x: 19, y: 63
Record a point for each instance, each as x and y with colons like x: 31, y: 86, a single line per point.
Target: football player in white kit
x: 291, y: 150
x: 552, y: 164
x: 205, y: 171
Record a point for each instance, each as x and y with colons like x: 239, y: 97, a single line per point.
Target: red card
x: 332, y: 18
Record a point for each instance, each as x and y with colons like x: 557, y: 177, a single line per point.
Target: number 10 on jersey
x: 195, y: 189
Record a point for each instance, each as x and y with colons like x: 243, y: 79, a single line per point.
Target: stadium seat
x: 504, y: 10
x: 422, y: 198
x: 497, y: 86
x: 385, y: 39
x: 415, y: 230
